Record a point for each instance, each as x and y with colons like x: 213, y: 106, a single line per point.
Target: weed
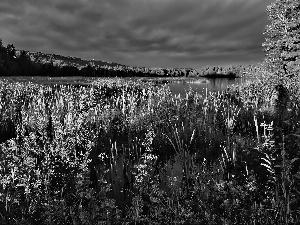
x: 131, y: 152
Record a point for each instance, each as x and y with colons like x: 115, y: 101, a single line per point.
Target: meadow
x: 131, y: 152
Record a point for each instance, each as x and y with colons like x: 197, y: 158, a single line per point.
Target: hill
x: 27, y: 63
x: 60, y: 60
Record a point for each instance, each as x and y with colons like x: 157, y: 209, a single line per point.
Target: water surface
x: 204, y: 85
x: 200, y: 85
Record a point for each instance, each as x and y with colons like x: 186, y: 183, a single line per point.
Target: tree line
x: 20, y: 63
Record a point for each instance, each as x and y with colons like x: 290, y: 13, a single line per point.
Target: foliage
x: 131, y: 152
x: 283, y: 43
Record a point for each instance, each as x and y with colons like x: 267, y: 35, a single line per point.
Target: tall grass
x: 131, y: 151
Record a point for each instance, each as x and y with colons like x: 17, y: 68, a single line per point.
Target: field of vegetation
x: 130, y: 152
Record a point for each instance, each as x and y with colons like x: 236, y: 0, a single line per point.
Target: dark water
x: 204, y: 85
x: 200, y: 85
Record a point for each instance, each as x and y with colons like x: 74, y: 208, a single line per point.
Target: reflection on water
x: 204, y: 85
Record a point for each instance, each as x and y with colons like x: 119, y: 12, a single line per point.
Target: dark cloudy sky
x: 152, y: 33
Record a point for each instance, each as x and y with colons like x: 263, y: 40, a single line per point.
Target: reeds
x: 163, y: 158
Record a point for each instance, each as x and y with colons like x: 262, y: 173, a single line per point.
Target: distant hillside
x: 26, y: 63
x: 60, y: 60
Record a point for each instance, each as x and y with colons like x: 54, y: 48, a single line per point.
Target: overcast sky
x: 152, y: 33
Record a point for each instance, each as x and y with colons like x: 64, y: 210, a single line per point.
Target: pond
x: 177, y: 85
x: 204, y: 85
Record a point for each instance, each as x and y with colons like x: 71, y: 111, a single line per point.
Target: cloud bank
x: 152, y: 33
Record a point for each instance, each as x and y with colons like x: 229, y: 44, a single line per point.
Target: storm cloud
x: 152, y: 33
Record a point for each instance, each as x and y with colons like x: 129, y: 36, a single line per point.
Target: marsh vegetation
x: 132, y: 152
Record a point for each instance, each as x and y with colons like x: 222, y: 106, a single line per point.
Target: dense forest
x: 23, y: 63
